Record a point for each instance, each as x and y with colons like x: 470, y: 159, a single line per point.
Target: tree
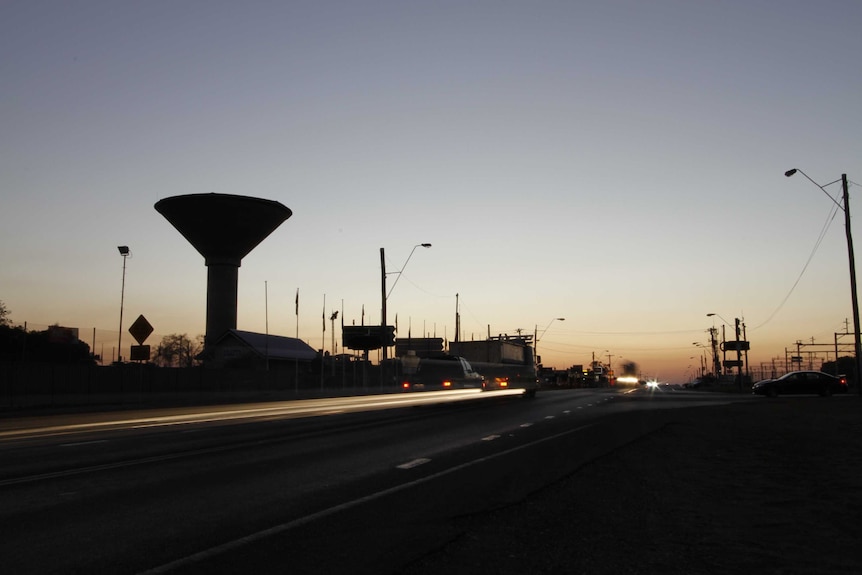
x: 4, y: 314
x: 54, y: 345
x: 178, y: 350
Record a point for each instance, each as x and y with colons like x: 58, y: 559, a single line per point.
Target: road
x: 358, y: 485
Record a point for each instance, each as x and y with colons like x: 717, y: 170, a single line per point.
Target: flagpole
x: 266, y: 321
x: 343, y: 363
x: 296, y: 359
x: 322, y: 342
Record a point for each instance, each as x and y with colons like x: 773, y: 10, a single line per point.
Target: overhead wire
x: 833, y: 211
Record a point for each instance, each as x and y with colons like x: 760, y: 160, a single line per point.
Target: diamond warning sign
x: 141, y: 329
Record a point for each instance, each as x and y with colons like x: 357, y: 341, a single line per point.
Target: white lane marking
x: 490, y: 437
x: 567, y: 412
x: 414, y: 463
x: 526, y: 425
x: 83, y: 443
x: 549, y: 417
x: 237, y: 543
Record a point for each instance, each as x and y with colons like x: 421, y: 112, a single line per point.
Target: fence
x: 30, y: 384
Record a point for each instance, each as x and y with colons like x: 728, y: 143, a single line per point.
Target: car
x: 801, y: 382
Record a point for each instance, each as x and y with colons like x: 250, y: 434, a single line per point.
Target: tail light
x: 447, y: 384
x: 405, y: 385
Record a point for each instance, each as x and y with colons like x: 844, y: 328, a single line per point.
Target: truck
x: 504, y: 362
x: 497, y: 376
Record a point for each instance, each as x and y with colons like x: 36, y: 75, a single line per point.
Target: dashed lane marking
x: 414, y: 463
x: 194, y: 558
x: 83, y: 443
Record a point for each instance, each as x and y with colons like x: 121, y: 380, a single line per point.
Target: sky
x: 619, y: 164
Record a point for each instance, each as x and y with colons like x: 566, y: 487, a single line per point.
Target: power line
x: 832, y: 213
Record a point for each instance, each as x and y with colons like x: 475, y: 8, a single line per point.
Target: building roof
x: 272, y: 346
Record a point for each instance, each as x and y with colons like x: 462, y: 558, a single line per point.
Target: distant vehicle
x: 448, y: 372
x: 629, y: 381
x: 496, y: 376
x: 801, y: 382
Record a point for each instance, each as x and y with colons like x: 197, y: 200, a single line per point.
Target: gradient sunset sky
x: 619, y: 164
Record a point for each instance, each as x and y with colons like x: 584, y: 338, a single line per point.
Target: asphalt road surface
x: 347, y: 485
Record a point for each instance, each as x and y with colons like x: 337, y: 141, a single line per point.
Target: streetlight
x: 384, y: 296
x: 721, y: 318
x: 846, y: 209
x: 124, y: 251
x: 404, y: 266
x: 538, y: 336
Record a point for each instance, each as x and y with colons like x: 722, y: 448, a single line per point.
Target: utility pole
x: 738, y: 357
x: 713, y: 340
x: 457, y: 320
x: 385, y: 349
x: 857, y: 341
x: 853, y: 292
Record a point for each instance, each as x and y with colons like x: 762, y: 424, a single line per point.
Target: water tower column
x: 222, y: 282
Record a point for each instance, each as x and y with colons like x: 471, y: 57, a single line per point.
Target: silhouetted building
x: 247, y: 349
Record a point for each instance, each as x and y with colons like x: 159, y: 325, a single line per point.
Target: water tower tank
x: 224, y: 228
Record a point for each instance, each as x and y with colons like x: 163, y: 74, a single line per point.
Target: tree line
x: 59, y: 345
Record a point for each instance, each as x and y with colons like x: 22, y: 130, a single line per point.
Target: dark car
x: 801, y: 382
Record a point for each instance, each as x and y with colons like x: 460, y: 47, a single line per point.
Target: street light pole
x: 719, y: 368
x: 721, y: 318
x: 384, y: 296
x: 538, y: 336
x: 384, y: 351
x: 853, y: 294
x: 124, y: 251
x: 405, y: 265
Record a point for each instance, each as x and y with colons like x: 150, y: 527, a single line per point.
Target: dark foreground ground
x: 773, y: 486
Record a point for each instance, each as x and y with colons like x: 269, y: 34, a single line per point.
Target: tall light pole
x: 537, y: 336
x: 404, y: 266
x: 855, y: 301
x: 719, y: 369
x: 124, y: 251
x: 332, y: 319
x: 384, y: 295
x: 608, y: 369
x: 704, y: 359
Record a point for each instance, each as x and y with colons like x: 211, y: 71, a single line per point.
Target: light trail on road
x: 83, y: 423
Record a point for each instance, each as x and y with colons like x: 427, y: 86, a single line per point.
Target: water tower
x: 224, y: 228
